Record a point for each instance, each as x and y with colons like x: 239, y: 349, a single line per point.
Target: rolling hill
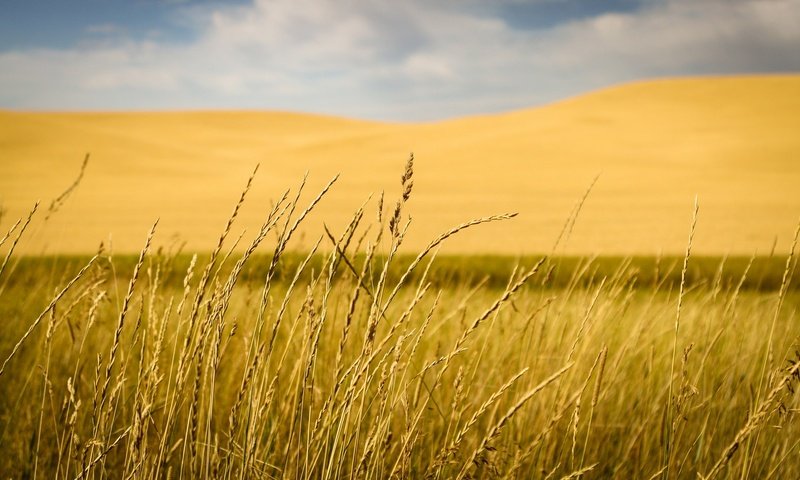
x: 733, y: 141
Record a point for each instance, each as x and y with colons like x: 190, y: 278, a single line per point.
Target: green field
x: 353, y: 361
x: 763, y: 273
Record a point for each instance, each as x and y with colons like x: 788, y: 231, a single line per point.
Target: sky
x: 411, y: 60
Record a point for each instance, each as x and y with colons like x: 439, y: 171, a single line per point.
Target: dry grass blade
x: 102, y: 455
x: 59, y: 201
x: 757, y: 419
x: 9, y: 232
x: 123, y: 313
x: 682, y: 292
x: 448, y: 451
x: 579, y: 473
x: 785, y: 279
x: 201, y: 288
x: 569, y: 224
x: 495, y: 430
x: 47, y: 310
x: 435, y: 243
x: 16, y: 240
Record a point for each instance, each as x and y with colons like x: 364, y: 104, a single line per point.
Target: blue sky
x: 409, y: 60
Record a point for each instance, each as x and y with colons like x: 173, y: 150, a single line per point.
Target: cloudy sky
x: 377, y: 59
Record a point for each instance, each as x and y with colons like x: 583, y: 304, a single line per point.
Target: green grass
x: 492, y: 271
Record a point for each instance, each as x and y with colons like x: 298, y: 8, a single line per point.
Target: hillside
x: 732, y: 141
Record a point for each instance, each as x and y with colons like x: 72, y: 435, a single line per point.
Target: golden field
x: 360, y: 365
x: 369, y: 355
x: 655, y: 144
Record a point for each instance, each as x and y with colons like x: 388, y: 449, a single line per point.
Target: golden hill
x: 732, y: 141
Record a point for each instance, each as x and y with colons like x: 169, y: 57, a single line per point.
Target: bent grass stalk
x: 668, y: 449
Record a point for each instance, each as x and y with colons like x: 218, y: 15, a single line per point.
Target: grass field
x: 655, y: 145
x: 352, y: 360
x: 609, y: 330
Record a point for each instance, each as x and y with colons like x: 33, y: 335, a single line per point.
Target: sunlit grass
x: 352, y: 361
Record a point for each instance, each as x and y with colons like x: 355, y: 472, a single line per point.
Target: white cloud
x: 413, y: 60
x: 685, y: 36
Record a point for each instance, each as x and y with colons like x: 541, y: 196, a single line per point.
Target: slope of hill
x: 732, y: 141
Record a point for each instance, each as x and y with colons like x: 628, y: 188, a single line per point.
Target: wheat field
x: 732, y: 141
x: 349, y: 359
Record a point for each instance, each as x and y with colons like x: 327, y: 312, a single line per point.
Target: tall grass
x: 353, y: 361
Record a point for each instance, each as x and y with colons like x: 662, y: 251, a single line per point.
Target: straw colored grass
x: 365, y: 366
